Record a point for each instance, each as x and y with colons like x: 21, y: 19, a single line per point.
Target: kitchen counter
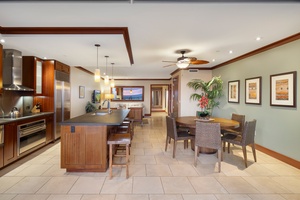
x: 100, y: 117
x: 84, y: 140
x: 8, y: 119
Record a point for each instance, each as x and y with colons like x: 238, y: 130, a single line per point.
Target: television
x: 96, y: 96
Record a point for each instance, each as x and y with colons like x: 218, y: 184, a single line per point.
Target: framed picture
x: 81, y: 92
x: 253, y: 90
x: 283, y: 89
x: 234, y: 91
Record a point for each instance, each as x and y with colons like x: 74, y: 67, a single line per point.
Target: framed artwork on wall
x: 234, y: 91
x: 253, y: 90
x: 81, y: 92
x: 283, y: 89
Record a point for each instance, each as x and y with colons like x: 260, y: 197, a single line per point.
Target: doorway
x: 159, y: 101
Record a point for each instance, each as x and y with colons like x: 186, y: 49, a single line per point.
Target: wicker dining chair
x: 246, y: 138
x: 208, y: 135
x: 173, y: 133
x: 234, y: 131
x: 179, y: 127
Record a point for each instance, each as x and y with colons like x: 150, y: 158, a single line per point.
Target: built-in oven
x: 31, y: 135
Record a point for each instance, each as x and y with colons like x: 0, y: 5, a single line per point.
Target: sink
x: 100, y: 113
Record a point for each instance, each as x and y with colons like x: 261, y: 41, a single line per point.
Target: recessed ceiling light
x: 45, y: 57
x: 258, y: 38
x: 230, y: 51
x: 2, y: 40
x: 213, y: 60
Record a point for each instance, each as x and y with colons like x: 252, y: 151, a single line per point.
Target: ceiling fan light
x: 97, y: 75
x: 182, y: 64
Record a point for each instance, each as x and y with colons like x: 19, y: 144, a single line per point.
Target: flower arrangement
x: 203, y: 102
x: 210, y: 92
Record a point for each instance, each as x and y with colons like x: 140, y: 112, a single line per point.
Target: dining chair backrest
x: 208, y: 135
x: 171, y: 127
x: 249, y: 132
x: 241, y: 120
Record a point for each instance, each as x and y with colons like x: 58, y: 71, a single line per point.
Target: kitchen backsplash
x: 10, y: 99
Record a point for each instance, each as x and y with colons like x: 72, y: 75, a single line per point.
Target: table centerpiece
x: 210, y: 91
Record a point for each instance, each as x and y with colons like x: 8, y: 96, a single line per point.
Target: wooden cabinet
x: 84, y: 148
x: 10, y: 143
x: 32, y: 73
x: 1, y: 156
x: 136, y: 113
x: 49, y: 129
x: 1, y: 145
x: 62, y: 67
x: 10, y: 153
x: 1, y: 65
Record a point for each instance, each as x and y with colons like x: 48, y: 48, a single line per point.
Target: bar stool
x: 130, y: 123
x: 118, y: 139
x: 126, y: 127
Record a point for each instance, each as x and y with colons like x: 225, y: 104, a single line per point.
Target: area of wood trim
x: 143, y: 79
x: 260, y: 50
x: 85, y: 70
x: 278, y: 156
x: 72, y: 31
x: 91, y: 73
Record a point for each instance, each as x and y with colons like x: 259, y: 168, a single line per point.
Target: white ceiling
x: 156, y: 31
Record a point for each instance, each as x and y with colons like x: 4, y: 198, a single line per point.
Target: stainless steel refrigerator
x: 62, y: 101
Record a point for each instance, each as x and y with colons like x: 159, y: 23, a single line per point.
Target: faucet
x: 108, y: 105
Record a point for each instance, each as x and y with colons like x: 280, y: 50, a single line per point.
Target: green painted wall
x: 278, y: 128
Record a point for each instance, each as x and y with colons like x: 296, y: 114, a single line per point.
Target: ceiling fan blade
x: 169, y: 65
x: 199, y: 62
x: 192, y: 58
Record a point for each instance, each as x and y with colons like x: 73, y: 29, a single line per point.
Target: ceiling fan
x: 184, y: 62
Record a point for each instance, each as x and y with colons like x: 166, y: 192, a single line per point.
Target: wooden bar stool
x: 118, y: 139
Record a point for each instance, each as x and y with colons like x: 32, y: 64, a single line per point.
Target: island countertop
x: 100, y: 117
x: 84, y: 140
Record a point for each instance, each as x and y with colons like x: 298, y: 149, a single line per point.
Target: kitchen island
x: 84, y: 140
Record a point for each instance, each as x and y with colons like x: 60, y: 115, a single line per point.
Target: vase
x: 202, y: 114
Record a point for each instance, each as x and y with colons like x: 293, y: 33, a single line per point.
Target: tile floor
x: 155, y: 175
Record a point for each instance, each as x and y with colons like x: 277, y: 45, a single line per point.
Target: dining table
x: 190, y: 122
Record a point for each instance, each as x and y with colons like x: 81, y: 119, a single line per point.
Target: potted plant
x: 210, y: 92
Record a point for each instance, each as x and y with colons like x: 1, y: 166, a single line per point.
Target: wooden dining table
x: 190, y: 122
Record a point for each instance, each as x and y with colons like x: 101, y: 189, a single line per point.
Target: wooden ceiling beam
x: 72, y: 31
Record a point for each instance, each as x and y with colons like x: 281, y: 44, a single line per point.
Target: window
x: 128, y: 93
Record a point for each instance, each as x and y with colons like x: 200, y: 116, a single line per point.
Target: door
x: 157, y: 98
x: 175, y: 96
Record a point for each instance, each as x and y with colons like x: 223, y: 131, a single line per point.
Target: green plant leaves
x: 212, y: 89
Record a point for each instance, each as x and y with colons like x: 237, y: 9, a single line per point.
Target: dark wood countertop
x: 99, y: 118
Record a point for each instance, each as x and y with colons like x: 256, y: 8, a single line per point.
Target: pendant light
x: 106, y: 78
x: 112, y: 81
x: 97, y: 70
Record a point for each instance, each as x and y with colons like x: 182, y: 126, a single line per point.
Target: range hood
x: 12, y: 71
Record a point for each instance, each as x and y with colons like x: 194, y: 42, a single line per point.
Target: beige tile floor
x: 155, y: 175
